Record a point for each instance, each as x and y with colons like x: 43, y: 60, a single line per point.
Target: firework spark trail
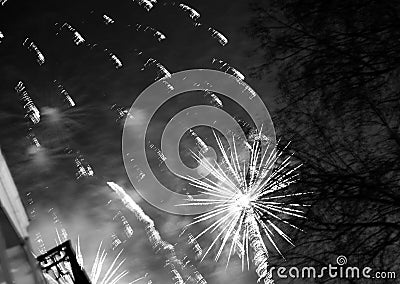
x: 41, y: 245
x: 108, y: 20
x: 83, y: 168
x: 155, y: 239
x: 225, y: 67
x: 61, y: 231
x: 146, y: 4
x: 114, y: 59
x: 33, y: 215
x: 214, y: 99
x: 117, y: 62
x: 79, y: 40
x: 122, y: 113
x: 243, y: 195
x: 127, y: 227
x: 64, y: 93
x: 162, y: 72
x: 196, y: 246
x: 76, y: 36
x: 33, y: 139
x: 157, y: 34
x: 218, y: 36
x: 33, y: 48
x: 138, y: 28
x: 193, y: 14
x: 31, y: 110
x: 260, y: 251
x: 115, y: 241
x: 160, y: 155
x: 200, y: 142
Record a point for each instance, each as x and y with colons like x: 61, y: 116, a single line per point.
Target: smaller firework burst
x: 101, y: 271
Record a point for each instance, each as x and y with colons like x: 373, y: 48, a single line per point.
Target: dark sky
x: 90, y: 128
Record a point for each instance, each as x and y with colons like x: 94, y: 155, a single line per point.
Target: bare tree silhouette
x: 337, y: 66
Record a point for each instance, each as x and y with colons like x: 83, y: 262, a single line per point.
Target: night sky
x: 47, y: 179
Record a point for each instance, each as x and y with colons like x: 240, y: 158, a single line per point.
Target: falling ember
x: 162, y: 72
x: 247, y: 89
x: 248, y: 200
x: 117, y: 62
x: 121, y: 111
x: 31, y: 136
x: 83, y: 169
x: 214, y: 99
x: 115, y: 241
x: 193, y: 14
x: 243, y: 124
x: 62, y: 235
x: 147, y: 4
x: 225, y: 67
x: 200, y: 143
x: 108, y: 20
x: 33, y: 48
x: 158, y: 244
x: 168, y: 85
x: 161, y: 156
x: 68, y: 99
x: 41, y: 246
x: 30, y: 108
x: 127, y: 227
x: 220, y: 37
x: 196, y: 246
x: 77, y: 37
x: 157, y: 34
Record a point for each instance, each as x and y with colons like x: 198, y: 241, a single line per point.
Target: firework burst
x: 248, y: 200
